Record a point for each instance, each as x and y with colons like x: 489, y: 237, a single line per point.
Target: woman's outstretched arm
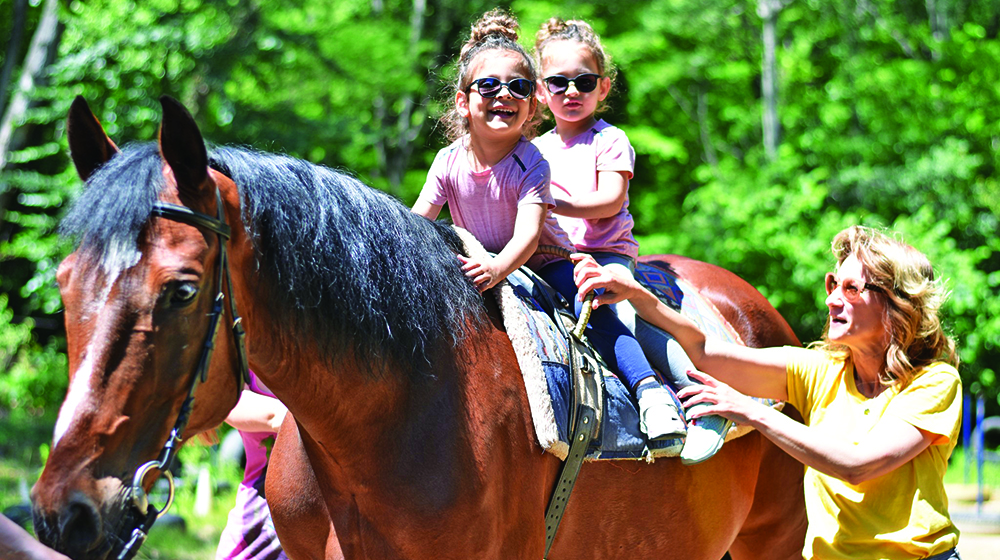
x: 753, y: 371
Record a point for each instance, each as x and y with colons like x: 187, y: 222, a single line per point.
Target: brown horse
x: 411, y: 417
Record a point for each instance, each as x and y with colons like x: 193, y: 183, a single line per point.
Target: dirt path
x: 980, y: 528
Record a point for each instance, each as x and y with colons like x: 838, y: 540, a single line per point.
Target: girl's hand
x: 589, y: 275
x: 484, y: 274
x: 715, y: 397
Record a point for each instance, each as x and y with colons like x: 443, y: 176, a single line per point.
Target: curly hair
x: 556, y: 29
x: 913, y: 299
x: 495, y: 30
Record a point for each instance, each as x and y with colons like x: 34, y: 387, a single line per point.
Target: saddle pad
x: 683, y: 297
x: 543, y: 356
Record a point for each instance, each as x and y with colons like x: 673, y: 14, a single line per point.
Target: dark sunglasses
x: 519, y: 88
x: 585, y: 83
x: 850, y: 287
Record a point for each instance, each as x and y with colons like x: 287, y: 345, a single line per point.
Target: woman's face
x: 856, y: 322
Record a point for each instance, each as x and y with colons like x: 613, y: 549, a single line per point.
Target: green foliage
x: 35, y: 375
x: 888, y: 116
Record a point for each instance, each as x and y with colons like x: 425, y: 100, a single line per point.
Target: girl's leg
x: 658, y: 407
x: 665, y: 353
x: 706, y: 434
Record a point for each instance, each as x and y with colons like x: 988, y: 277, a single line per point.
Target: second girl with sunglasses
x: 592, y: 163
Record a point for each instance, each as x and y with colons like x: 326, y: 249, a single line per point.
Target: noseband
x: 142, y: 514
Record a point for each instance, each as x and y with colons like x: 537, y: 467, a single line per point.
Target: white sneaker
x: 705, y: 437
x: 659, y: 416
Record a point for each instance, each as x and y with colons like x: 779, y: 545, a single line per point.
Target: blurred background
x: 761, y: 129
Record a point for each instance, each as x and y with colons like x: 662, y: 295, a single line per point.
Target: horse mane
x: 341, y: 263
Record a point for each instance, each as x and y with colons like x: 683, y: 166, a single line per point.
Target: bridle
x: 142, y: 514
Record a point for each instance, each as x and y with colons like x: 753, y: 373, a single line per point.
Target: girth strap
x: 583, y: 432
x: 587, y: 393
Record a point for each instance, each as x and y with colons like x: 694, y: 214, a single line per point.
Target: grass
x: 24, y: 445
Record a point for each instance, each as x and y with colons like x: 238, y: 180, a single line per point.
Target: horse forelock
x: 349, y: 265
x: 105, y: 221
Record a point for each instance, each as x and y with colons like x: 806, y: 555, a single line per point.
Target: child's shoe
x: 659, y: 415
x: 705, y: 437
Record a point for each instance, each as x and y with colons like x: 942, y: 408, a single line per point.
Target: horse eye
x: 183, y: 294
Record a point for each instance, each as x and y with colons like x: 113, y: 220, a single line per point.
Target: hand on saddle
x: 484, y: 274
x: 589, y: 275
x: 711, y: 396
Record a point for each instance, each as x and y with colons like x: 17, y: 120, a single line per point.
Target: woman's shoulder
x: 936, y: 373
x: 814, y: 356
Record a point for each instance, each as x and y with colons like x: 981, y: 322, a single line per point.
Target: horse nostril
x: 80, y: 527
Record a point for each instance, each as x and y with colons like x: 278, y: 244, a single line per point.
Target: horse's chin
x: 98, y: 532
x: 76, y: 549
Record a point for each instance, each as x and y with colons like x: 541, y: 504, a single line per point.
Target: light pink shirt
x: 486, y: 202
x: 575, y: 165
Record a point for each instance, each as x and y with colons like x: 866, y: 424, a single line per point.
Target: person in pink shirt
x: 249, y: 533
x: 496, y: 185
x: 592, y: 163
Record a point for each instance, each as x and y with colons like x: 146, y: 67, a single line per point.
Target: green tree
x: 885, y: 113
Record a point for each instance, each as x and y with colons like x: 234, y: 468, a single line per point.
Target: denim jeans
x: 661, y: 349
x: 612, y: 339
x: 946, y: 555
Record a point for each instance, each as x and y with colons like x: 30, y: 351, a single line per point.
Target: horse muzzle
x: 76, y: 528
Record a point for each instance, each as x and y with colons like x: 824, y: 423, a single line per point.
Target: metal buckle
x: 139, y: 497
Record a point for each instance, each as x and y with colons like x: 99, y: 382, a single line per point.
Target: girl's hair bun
x: 493, y: 22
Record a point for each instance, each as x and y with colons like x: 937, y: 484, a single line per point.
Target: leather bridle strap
x: 147, y: 513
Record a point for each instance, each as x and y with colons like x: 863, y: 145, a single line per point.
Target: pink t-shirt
x: 486, y: 202
x: 249, y: 533
x: 574, y: 172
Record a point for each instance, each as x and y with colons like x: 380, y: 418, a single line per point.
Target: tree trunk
x: 13, y: 49
x: 40, y: 55
x: 768, y: 11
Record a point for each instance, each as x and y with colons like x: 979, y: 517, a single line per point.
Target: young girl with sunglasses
x: 496, y: 185
x: 592, y: 163
x: 494, y: 180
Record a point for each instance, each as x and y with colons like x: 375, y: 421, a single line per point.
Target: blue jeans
x: 607, y: 333
x: 946, y: 555
x: 661, y: 349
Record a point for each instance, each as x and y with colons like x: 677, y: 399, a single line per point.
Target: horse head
x: 143, y: 297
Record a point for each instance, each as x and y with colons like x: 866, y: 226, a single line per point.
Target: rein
x: 148, y: 514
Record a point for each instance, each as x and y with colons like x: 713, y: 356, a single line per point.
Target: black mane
x: 337, y: 261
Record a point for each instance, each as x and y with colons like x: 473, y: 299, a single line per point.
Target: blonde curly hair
x: 913, y: 300
x: 495, y: 30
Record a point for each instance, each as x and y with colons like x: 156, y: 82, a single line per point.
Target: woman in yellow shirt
x: 880, y: 396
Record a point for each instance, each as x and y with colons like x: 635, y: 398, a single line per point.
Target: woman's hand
x: 484, y: 274
x: 589, y: 275
x: 715, y: 397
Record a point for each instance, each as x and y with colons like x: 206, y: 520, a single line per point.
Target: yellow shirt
x: 899, y: 515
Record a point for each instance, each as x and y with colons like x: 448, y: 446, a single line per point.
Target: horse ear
x: 89, y: 145
x: 183, y: 147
